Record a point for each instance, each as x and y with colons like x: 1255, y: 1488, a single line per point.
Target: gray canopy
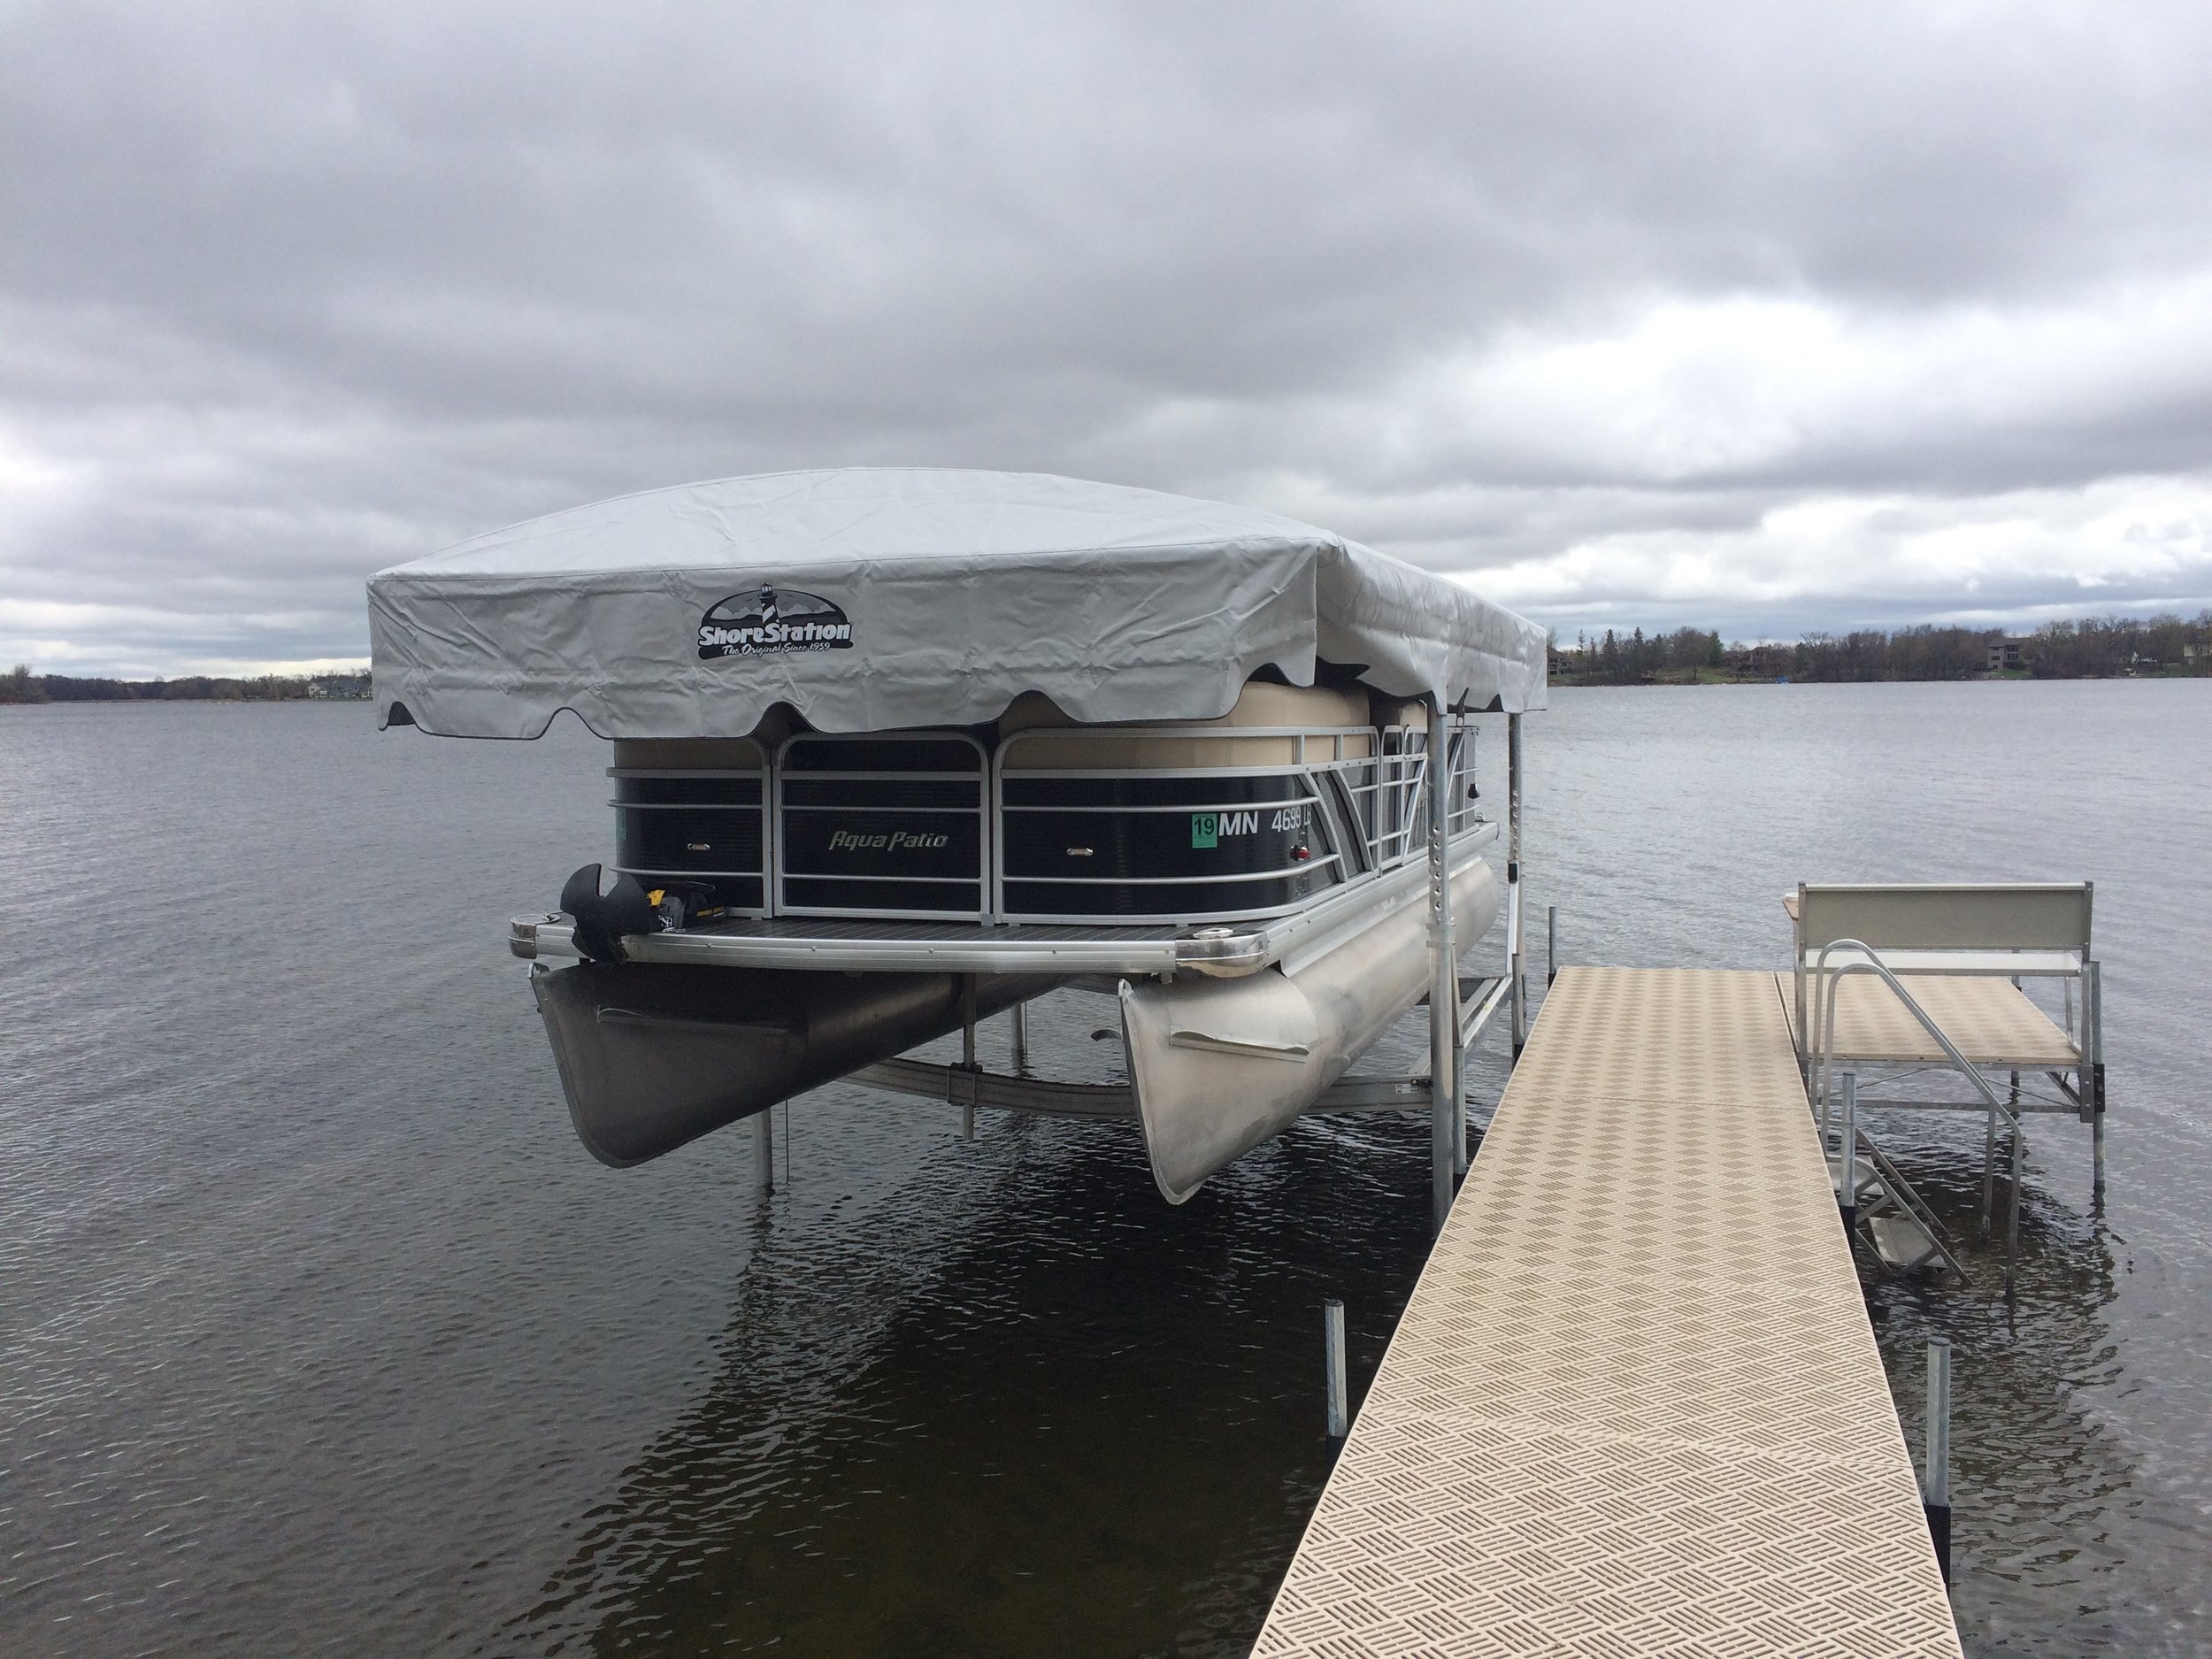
x: 869, y: 599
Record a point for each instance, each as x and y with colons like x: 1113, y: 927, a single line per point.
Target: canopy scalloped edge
x: 871, y: 599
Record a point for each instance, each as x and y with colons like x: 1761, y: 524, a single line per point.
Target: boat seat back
x: 1035, y: 736
x: 2053, y: 916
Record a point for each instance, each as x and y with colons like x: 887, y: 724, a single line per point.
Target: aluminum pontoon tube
x: 1219, y: 1065
x: 653, y: 1055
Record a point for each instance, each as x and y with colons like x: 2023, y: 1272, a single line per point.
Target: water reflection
x: 318, y: 1332
x: 1027, y: 1408
x: 2037, y: 1481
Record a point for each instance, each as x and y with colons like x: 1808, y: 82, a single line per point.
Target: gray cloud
x: 1769, y: 316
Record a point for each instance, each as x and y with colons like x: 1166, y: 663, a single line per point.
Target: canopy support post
x: 1444, y: 981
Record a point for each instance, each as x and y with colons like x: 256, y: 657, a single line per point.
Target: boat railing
x: 696, y: 826
x: 1369, y: 808
x: 1361, y: 790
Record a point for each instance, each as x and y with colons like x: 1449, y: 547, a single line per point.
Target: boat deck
x: 1634, y: 1405
x: 880, y: 944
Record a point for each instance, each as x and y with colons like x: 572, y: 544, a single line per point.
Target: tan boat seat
x: 687, y: 753
x: 1049, y: 740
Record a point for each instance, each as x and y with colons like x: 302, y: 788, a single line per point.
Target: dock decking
x: 1992, y: 1020
x: 1634, y: 1405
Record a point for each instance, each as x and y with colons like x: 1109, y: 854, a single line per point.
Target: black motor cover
x: 602, y: 921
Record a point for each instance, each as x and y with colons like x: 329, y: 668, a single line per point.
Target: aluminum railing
x: 1372, y: 809
x: 1376, y: 800
x: 1820, y: 1046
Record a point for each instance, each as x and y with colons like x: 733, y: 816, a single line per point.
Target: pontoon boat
x: 893, y: 750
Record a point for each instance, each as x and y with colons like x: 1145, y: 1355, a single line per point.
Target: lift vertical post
x: 1444, y: 981
x: 967, y: 1054
x: 1515, y: 965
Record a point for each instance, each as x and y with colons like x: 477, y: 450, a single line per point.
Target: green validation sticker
x: 1205, y: 829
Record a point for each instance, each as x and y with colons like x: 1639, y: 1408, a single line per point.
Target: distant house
x: 2004, y: 655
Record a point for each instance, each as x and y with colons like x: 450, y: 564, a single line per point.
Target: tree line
x: 2093, y: 647
x: 21, y: 685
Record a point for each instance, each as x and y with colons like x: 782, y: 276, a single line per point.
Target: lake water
x: 319, y: 1331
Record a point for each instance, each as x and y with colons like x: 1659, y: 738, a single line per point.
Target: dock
x: 1634, y: 1405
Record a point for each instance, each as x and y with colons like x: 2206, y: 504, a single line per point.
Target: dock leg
x: 2092, y: 1019
x: 2013, y: 1098
x: 1444, y: 982
x: 1989, y: 1174
x: 1021, y: 1037
x: 765, y: 1152
x: 1333, y: 1349
x: 2012, y: 1227
x: 1848, y: 1169
x: 2096, y: 1152
x: 1935, y: 1485
x: 1551, y: 945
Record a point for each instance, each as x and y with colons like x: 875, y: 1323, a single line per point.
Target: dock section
x: 1634, y: 1405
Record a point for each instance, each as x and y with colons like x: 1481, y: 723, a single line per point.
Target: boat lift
x: 1478, y: 999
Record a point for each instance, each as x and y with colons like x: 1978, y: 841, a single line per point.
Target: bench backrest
x: 1945, y: 916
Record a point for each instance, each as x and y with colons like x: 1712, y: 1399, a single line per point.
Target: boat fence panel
x: 1201, y: 840
x: 882, y: 823
x: 697, y: 828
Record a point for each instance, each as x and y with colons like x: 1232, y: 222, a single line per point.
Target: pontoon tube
x: 1220, y: 1065
x: 652, y: 1056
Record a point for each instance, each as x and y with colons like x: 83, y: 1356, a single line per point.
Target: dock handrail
x: 1824, y: 1060
x: 1901, y: 1194
x: 1822, y: 1036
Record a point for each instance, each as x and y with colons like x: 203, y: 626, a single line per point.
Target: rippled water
x: 318, y: 1333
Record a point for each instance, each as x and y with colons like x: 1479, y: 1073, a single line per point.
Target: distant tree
x: 21, y: 685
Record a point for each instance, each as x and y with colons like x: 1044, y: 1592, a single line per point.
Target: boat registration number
x: 1207, y: 829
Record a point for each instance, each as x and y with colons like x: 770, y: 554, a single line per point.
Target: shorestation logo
x: 773, y: 619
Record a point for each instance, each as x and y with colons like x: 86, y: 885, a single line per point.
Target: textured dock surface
x: 1634, y: 1405
x: 1992, y: 1020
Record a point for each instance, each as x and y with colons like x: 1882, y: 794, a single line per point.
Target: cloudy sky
x: 1764, y: 317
